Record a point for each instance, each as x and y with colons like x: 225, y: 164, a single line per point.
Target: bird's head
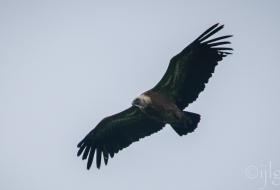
x: 137, y: 102
x: 141, y: 101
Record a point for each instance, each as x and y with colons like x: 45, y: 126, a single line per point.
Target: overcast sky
x: 65, y: 65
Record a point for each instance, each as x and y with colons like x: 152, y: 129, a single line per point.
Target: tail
x: 191, y: 121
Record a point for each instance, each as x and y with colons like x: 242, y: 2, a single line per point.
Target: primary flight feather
x: 185, y: 78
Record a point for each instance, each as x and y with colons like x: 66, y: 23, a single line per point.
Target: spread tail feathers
x: 191, y: 121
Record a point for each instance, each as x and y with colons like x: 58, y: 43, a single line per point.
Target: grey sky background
x: 65, y: 65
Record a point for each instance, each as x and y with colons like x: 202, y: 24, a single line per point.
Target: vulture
x: 184, y: 79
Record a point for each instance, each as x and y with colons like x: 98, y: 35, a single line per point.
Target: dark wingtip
x: 105, y: 155
x: 207, y: 31
x: 88, y: 166
x: 222, y: 48
x: 98, y: 158
x: 80, y: 151
x: 90, y: 158
x: 86, y: 153
x: 80, y: 144
x: 210, y: 33
x: 216, y: 39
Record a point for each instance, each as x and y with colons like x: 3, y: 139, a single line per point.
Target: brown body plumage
x: 162, y: 110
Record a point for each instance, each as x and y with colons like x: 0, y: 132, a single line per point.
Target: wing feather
x: 217, y: 39
x: 115, y: 133
x: 190, y: 70
x: 98, y: 156
x: 211, y: 33
x: 86, y: 153
x: 90, y: 158
x: 105, y: 154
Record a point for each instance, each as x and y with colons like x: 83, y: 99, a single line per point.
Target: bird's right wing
x: 190, y: 70
x: 116, y: 132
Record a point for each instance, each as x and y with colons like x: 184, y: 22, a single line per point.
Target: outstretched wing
x: 116, y: 132
x: 190, y: 70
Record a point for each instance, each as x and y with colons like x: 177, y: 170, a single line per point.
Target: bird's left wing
x: 116, y: 132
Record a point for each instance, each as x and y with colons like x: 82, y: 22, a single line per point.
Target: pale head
x: 141, y: 101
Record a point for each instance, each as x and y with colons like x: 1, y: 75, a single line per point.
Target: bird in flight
x: 184, y: 79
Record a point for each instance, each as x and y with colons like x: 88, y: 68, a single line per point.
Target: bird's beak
x: 133, y: 103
